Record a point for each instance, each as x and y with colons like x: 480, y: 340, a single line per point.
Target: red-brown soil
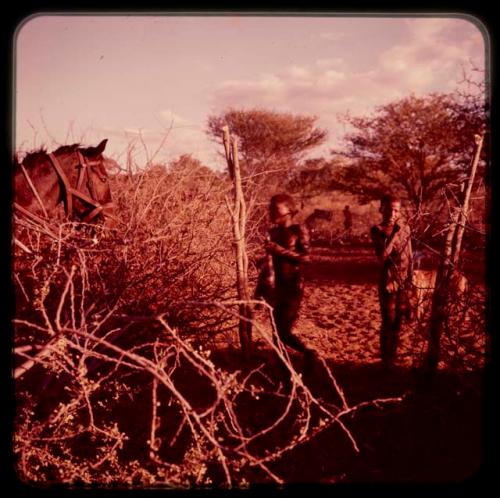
x: 433, y: 436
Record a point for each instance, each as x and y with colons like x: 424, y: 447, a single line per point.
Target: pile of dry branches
x: 121, y: 343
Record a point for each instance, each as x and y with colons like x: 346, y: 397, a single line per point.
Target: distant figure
x: 347, y: 219
x: 346, y: 237
x: 287, y: 248
x: 392, y: 242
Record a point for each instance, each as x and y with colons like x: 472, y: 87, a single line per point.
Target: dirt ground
x: 435, y: 435
x: 438, y: 434
x: 340, y: 314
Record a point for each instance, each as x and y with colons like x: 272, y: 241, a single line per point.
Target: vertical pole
x: 239, y: 227
x: 465, y: 206
x: 449, y: 260
x: 440, y: 297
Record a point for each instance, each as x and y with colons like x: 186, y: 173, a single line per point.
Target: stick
x: 238, y: 215
x: 465, y: 205
x: 451, y: 254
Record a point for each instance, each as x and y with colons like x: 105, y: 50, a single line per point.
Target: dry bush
x: 118, y: 377
x: 464, y: 341
x: 176, y: 245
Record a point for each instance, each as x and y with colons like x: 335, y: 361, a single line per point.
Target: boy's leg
x: 396, y: 323
x: 285, y: 317
x: 389, y: 330
x: 287, y: 312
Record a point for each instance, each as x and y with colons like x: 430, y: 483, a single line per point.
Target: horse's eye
x: 101, y: 177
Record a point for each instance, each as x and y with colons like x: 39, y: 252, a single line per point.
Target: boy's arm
x: 301, y: 255
x: 383, y: 246
x: 378, y: 240
x: 304, y: 245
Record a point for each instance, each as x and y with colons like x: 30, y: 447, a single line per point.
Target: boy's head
x: 390, y: 207
x: 282, y: 208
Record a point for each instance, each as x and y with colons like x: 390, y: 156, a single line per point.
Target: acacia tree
x: 415, y: 145
x: 315, y: 176
x: 271, y: 144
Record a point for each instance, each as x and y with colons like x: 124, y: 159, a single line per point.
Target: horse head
x: 97, y: 184
x: 71, y: 174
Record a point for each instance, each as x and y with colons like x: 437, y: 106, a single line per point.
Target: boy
x: 287, y: 248
x: 392, y: 243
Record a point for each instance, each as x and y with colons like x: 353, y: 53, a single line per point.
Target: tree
x: 315, y: 177
x: 414, y: 146
x: 270, y: 143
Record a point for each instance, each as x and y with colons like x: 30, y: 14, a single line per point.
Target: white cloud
x: 331, y: 77
x: 298, y: 72
x: 435, y: 54
x: 427, y: 28
x: 429, y: 58
x: 171, y: 118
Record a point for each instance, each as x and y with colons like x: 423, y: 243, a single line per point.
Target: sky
x: 149, y: 83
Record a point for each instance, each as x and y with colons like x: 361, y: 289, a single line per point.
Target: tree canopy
x: 315, y: 176
x: 268, y: 140
x: 414, y: 146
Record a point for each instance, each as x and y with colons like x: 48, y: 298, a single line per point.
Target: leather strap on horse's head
x: 86, y: 166
x: 67, y: 186
x: 82, y: 169
x: 70, y: 192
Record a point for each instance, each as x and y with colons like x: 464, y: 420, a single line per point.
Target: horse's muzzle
x: 109, y: 214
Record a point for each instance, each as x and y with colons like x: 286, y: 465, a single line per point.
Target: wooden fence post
x: 238, y: 215
x: 449, y: 261
x: 465, y: 204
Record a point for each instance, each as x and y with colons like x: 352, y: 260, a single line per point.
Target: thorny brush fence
x: 113, y: 336
x: 124, y: 330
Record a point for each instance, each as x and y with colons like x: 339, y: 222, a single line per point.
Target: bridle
x: 69, y: 192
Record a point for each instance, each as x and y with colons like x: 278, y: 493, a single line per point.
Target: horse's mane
x: 66, y: 149
x: 32, y: 158
x: 35, y: 156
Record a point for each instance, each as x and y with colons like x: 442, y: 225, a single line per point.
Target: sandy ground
x: 341, y: 321
x: 340, y: 314
x: 434, y: 435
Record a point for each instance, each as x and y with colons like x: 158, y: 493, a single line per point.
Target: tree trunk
x: 440, y: 297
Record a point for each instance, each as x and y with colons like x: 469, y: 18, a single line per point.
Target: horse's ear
x: 100, y: 148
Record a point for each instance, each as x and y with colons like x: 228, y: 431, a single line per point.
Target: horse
x: 71, y: 174
x: 318, y: 214
x: 312, y: 222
